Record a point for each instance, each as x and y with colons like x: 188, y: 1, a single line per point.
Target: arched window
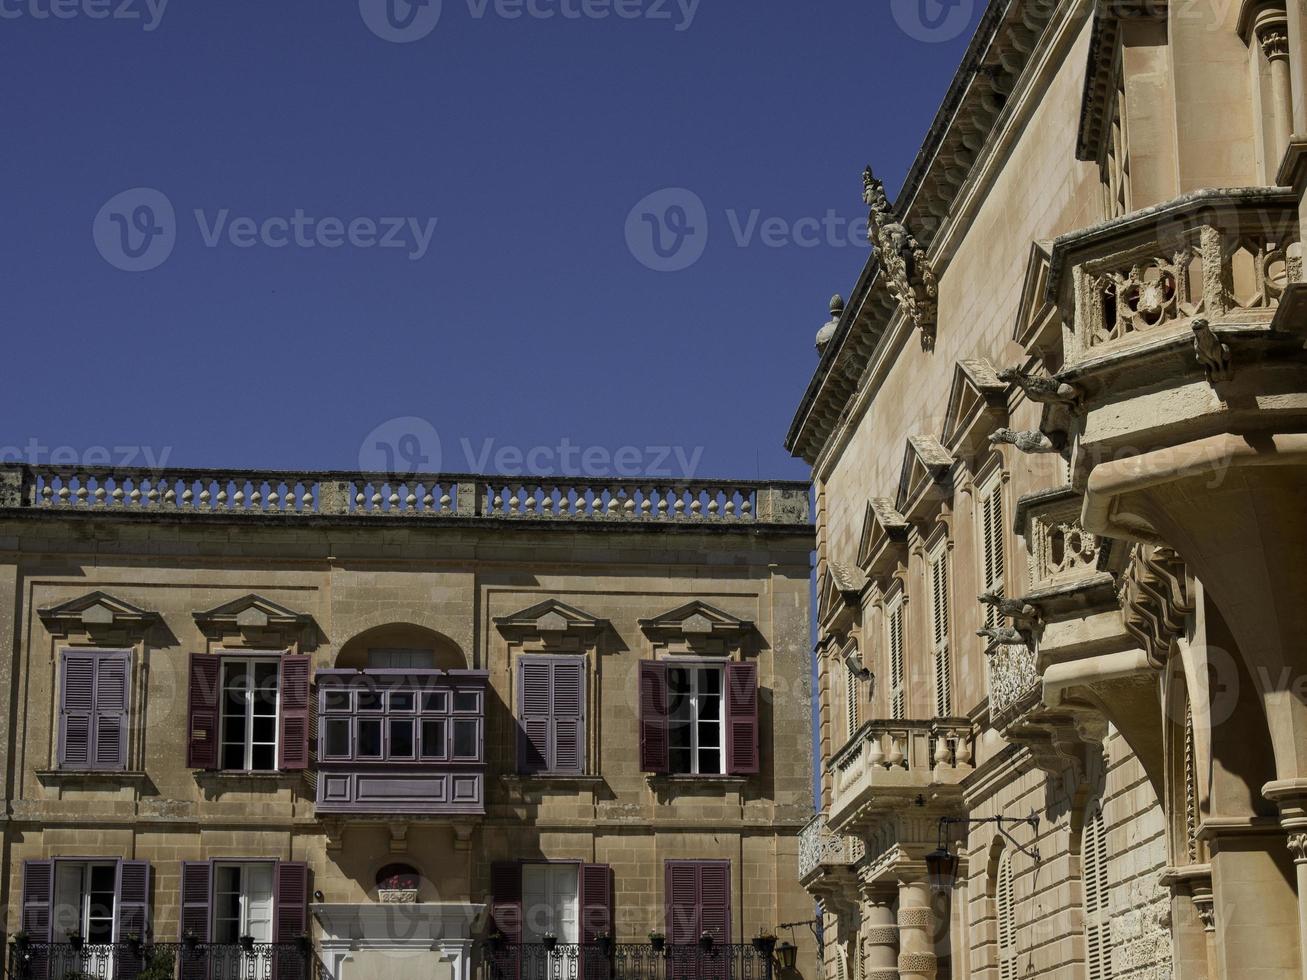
x: 1098, y: 905
x: 1005, y: 909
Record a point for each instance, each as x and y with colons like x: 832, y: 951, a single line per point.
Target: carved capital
x: 1275, y: 44
x: 1298, y: 847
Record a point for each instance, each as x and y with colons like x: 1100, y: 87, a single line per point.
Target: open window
x: 698, y: 717
x: 248, y: 712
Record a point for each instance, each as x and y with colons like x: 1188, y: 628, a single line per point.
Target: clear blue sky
x: 528, y: 316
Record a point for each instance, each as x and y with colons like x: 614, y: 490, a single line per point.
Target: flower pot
x: 659, y: 943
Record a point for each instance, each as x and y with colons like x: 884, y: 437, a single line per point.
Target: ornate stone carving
x: 1030, y: 442
x: 397, y: 896
x: 1045, y: 391
x: 1274, y: 42
x: 1021, y: 612
x: 819, y: 846
x: 1212, y: 354
x: 999, y: 636
x: 1298, y: 848
x: 1013, y: 677
x: 1155, y: 600
x: 908, y: 274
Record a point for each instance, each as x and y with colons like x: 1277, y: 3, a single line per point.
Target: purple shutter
x: 681, y: 893
x: 202, y: 737
x: 197, y: 880
x: 38, y: 897
x: 291, y: 919
x: 112, y: 691
x: 715, y: 899
x: 534, y: 697
x: 506, y: 899
x: 568, y: 747
x: 596, y: 881
x: 741, y: 719
x: 294, y: 684
x: 76, y: 709
x: 653, y: 716
x: 133, y: 899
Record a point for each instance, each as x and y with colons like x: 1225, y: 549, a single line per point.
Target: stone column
x: 880, y: 932
x: 1272, y: 33
x: 916, y: 930
x: 1291, y: 797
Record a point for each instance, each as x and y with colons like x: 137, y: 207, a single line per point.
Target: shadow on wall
x: 401, y: 645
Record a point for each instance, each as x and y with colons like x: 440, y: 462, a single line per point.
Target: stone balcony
x: 892, y: 764
x: 822, y: 850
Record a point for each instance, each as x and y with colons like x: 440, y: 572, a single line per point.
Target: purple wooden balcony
x: 401, y: 741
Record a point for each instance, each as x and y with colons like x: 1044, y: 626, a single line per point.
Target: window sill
x: 684, y: 777
x: 235, y: 776
x: 91, y: 776
x: 553, y: 779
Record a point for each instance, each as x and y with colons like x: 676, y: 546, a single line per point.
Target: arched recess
x: 401, y: 645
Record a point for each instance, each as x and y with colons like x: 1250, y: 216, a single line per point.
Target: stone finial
x: 828, y: 329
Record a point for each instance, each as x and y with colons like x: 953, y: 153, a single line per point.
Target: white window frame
x: 938, y: 573
x: 84, y: 871
x: 990, y: 528
x: 248, y: 661
x: 694, y: 666
x: 246, y: 899
x: 562, y: 898
x: 895, y: 635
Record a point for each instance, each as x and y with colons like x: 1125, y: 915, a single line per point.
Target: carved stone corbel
x: 909, y: 276
x: 1155, y: 600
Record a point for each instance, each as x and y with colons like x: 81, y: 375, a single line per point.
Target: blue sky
x: 553, y: 236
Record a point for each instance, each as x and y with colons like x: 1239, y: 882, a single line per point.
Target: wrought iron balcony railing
x: 162, y: 961
x: 626, y: 961
x: 820, y: 847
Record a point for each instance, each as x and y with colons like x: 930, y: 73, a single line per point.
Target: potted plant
x: 247, y: 943
x: 75, y: 940
x: 765, y: 942
x: 658, y: 941
x: 705, y: 941
x: 497, y: 941
x: 134, y: 944
x: 550, y: 942
x: 605, y: 941
x: 191, y: 942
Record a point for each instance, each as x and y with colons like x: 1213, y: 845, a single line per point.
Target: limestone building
x: 280, y: 725
x: 1071, y: 380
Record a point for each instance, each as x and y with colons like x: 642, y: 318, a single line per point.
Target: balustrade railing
x: 258, y: 493
x: 820, y: 846
x: 162, y: 961
x: 887, y: 762
x: 625, y: 961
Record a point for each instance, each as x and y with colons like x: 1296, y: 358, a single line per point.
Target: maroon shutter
x: 596, y: 881
x: 715, y: 899
x: 76, y: 709
x: 202, y: 740
x: 133, y: 899
x: 568, y: 749
x: 294, y: 684
x: 291, y: 918
x: 197, y: 878
x: 534, y: 697
x: 741, y: 719
x: 38, y: 896
x: 112, y: 687
x: 653, y: 716
x: 681, y: 893
x: 506, y: 899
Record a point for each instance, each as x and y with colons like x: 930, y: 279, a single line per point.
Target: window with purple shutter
x: 551, y: 714
x: 742, y: 719
x: 294, y: 712
x: 94, y: 690
x: 197, y: 888
x: 653, y: 716
x: 506, y: 899
x: 133, y: 899
x: 698, y: 899
x: 596, y: 897
x: 292, y: 901
x: 202, y: 704
x: 38, y: 897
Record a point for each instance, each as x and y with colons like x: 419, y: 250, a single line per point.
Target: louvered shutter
x: 197, y: 878
x: 939, y: 618
x: 991, y: 533
x: 851, y: 695
x: 681, y: 891
x: 293, y: 694
x: 203, y: 694
x: 568, y: 722
x: 898, y: 694
x: 1005, y: 900
x: 1097, y: 897
x: 596, y: 882
x: 112, y: 687
x: 534, y: 696
x: 653, y: 716
x: 38, y: 896
x: 76, y: 709
x: 741, y: 719
x: 715, y: 894
x: 133, y: 899
x: 506, y: 899
x: 291, y: 918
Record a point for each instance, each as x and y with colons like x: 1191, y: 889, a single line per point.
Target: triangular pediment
x: 839, y: 592
x: 884, y: 536
x: 695, y: 619
x: 977, y: 404
x: 96, y: 613
x: 252, y: 616
x: 926, y: 466
x: 550, y: 616
x: 1036, y: 326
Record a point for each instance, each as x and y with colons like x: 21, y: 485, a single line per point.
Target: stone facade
x: 462, y: 575
x: 1055, y: 433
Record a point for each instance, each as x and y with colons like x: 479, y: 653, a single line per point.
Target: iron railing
x: 162, y: 961
x: 625, y: 961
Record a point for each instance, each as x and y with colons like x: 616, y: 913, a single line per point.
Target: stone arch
x: 445, y: 654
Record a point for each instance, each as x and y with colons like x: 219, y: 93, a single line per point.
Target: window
x: 1005, y: 902
x: 551, y: 714
x: 221, y: 901
x: 894, y: 645
x: 102, y: 901
x: 1098, y: 905
x: 401, y: 659
x: 698, y: 718
x: 550, y: 902
x: 571, y: 901
x: 990, y: 520
x: 698, y: 895
x: 242, y: 902
x: 85, y: 901
x: 395, y: 718
x: 249, y: 714
x: 938, y: 572
x: 93, y: 700
x: 852, y: 694
x: 1116, y: 163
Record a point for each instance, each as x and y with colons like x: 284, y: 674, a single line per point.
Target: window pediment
x: 551, y: 625
x: 839, y: 597
x: 884, y: 538
x: 924, y: 478
x: 99, y: 617
x: 697, y: 627
x: 256, y: 621
x: 977, y: 405
x: 1037, y: 328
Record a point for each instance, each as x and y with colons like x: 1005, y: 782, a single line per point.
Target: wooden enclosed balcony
x: 889, y: 764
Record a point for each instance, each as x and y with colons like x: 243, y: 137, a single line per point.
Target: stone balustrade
x: 241, y: 493
x: 889, y: 763
x: 820, y: 847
